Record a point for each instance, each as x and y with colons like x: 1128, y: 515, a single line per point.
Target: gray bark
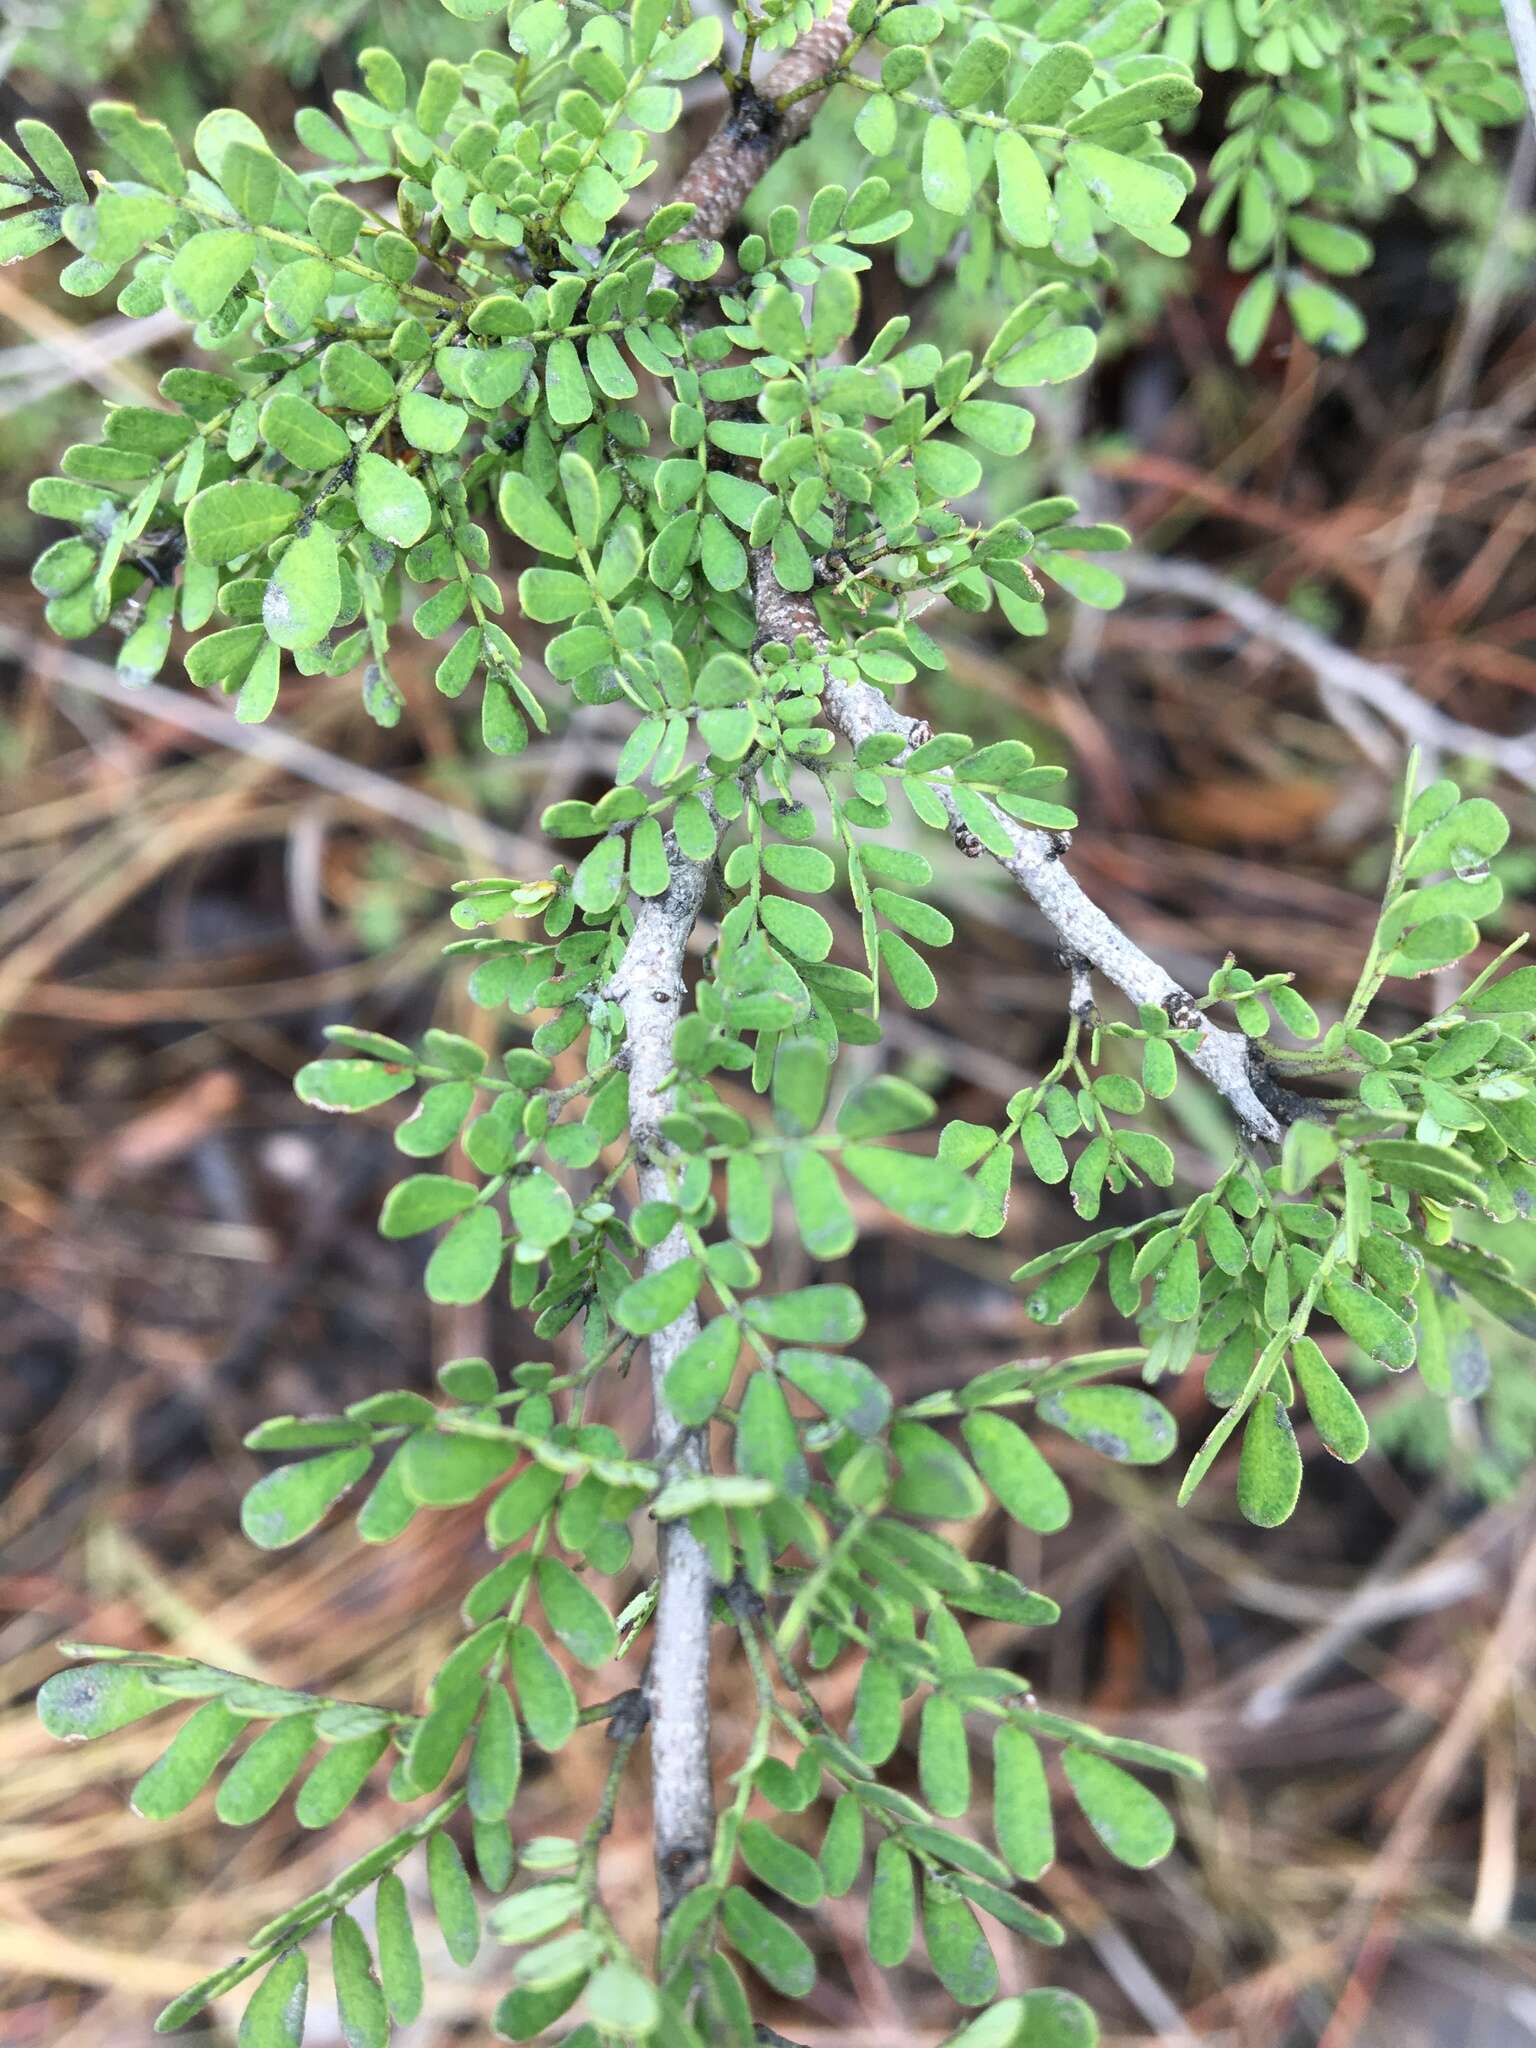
x: 649, y: 989
x: 1086, y: 932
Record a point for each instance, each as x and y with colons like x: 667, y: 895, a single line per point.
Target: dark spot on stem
x: 753, y: 121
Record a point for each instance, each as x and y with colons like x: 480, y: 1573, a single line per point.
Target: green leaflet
x: 432, y: 424
x: 439, y: 1469
x: 354, y: 380
x: 524, y: 2014
x: 287, y: 1503
x: 957, y: 1948
x: 1021, y: 1803
x: 1137, y: 195
x: 944, y: 1763
x: 337, y: 1779
x: 622, y: 2002
x: 580, y: 1620
x: 767, y: 1442
x: 464, y: 1266
x: 1131, y: 1822
x: 698, y: 1377
x: 1121, y: 1422
x: 773, y: 1949
x: 232, y: 519
x: 400, y: 1971
x: 1043, y: 2019
x: 875, y: 1728
x: 263, y: 1772
x: 274, y: 2016
x: 1333, y: 1408
x: 566, y: 392
x: 928, y: 1193
x: 453, y: 1899
x: 1016, y: 1471
x: 841, y: 1387
x: 301, y: 601
x: 89, y: 1700
x: 1023, y: 192
x: 530, y: 1915
x: 206, y: 270
x: 935, y: 1481
x: 842, y: 1846
x: 391, y: 502
x: 543, y: 1691
x: 892, y: 1905
x: 529, y: 514
x: 659, y: 1298
x: 200, y: 1744
x: 1269, y: 1469
x: 495, y: 1765
x: 829, y: 1314
x: 946, y: 175
x: 302, y: 433
x: 359, y: 1994
x: 1375, y: 1326
x: 780, y: 1864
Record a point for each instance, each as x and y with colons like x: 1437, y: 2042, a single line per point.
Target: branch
x: 283, y: 748
x: 755, y: 133
x: 648, y: 987
x: 858, y: 709
x: 718, y: 183
x: 1336, y: 670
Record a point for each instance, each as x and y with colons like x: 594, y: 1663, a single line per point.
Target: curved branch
x: 1336, y: 670
x: 717, y: 183
x: 858, y: 709
x: 754, y: 134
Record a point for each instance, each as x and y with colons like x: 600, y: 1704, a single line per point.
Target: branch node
x: 743, y: 1600
x: 1283, y: 1104
x: 629, y: 1714
x: 752, y: 120
x: 1179, y: 1006
x: 1080, y: 1001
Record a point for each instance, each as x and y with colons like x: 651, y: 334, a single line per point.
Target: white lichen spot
x: 276, y: 610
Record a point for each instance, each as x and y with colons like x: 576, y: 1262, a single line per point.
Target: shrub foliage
x: 468, y: 321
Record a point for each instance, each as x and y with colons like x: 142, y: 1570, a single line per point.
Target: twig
x: 648, y: 987
x: 1335, y: 669
x: 201, y: 715
x: 858, y: 709
x: 1490, y: 1685
x: 83, y: 355
x: 754, y: 134
x: 34, y: 370
x: 717, y: 183
x: 1497, y: 271
x: 1439, y: 1585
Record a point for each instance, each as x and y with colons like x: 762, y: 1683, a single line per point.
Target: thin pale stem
x: 649, y: 988
x: 855, y: 710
